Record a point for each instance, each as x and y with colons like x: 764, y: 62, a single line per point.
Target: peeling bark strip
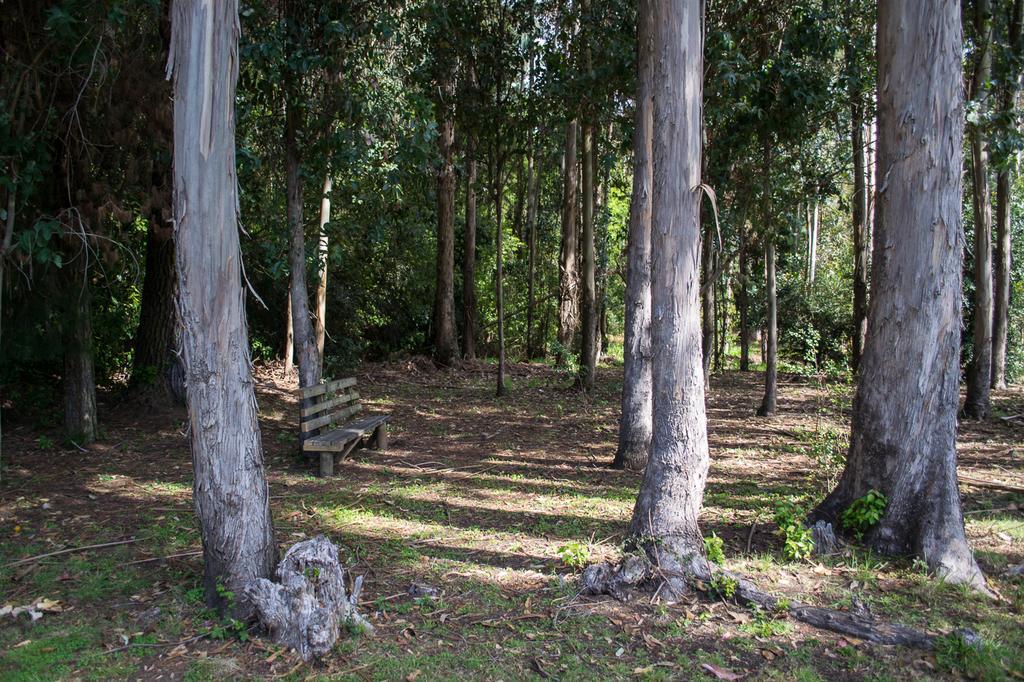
x: 307, y: 607
x: 635, y: 423
x: 665, y: 516
x: 904, y: 423
x: 230, y: 489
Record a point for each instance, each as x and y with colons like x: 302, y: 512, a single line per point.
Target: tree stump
x: 308, y: 606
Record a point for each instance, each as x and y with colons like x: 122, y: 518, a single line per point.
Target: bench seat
x: 324, y: 429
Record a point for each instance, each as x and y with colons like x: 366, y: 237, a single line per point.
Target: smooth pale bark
x: 588, y: 346
x: 446, y: 347
x: 979, y: 372
x: 812, y: 241
x: 289, y: 337
x: 321, y: 285
x: 80, y: 416
x: 230, y: 489
x: 743, y: 300
x: 664, y: 520
x: 635, y: 421
x: 302, y: 327
x: 568, y: 289
x: 469, y: 257
x: 904, y: 422
x: 771, y: 375
x: 1009, y: 86
x: 707, y: 302
x: 154, y: 343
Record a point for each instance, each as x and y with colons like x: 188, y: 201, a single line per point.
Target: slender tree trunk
x: 588, y: 361
x: 499, y: 276
x: 155, y: 337
x: 723, y: 337
x: 1003, y: 246
x: 743, y: 300
x: 445, y: 343
x: 979, y: 373
x: 321, y: 285
x: 665, y: 516
x: 230, y: 490
x: 302, y: 328
x: 568, y: 292
x: 289, y: 337
x: 812, y: 242
x: 80, y: 417
x: 707, y: 300
x: 861, y: 243
x: 532, y: 199
x: 635, y: 422
x: 771, y: 390
x: 904, y: 422
x: 469, y: 257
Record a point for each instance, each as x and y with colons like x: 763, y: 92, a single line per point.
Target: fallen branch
x: 194, y: 552
x: 991, y: 485
x: 158, y: 645
x: 69, y: 551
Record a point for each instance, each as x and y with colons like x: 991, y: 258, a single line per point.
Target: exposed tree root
x: 636, y: 576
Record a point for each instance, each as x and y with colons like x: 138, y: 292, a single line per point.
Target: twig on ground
x: 147, y: 645
x: 194, y: 552
x: 750, y: 536
x: 69, y: 551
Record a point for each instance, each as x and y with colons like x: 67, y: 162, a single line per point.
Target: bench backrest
x: 327, y: 404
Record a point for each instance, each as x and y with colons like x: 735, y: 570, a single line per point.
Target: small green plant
x: 798, y: 543
x: 765, y: 625
x: 864, y: 513
x: 714, y: 548
x: 194, y: 595
x: 723, y: 586
x: 45, y: 443
x: 575, y: 555
x: 828, y: 450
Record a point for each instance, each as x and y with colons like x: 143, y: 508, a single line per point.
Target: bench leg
x: 380, y: 437
x: 326, y: 464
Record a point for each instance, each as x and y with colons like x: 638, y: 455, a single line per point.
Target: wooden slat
x: 323, y: 406
x: 336, y: 441
x: 333, y: 418
x: 320, y: 389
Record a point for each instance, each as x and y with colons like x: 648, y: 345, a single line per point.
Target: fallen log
x: 991, y: 485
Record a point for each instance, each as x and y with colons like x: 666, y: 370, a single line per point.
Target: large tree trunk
x: 230, y: 490
x: 321, y: 284
x: 445, y: 343
x: 588, y: 347
x: 568, y: 290
x: 635, y: 422
x: 1003, y: 247
x: 80, y: 418
x: 743, y: 299
x: 469, y: 257
x: 665, y: 516
x: 904, y: 422
x: 302, y: 328
x: 771, y: 383
x: 155, y: 336
x: 979, y: 373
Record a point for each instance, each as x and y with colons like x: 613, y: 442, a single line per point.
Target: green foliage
x: 797, y: 540
x: 714, y: 548
x: 765, y: 625
x: 723, y: 586
x: 864, y: 513
x: 575, y: 555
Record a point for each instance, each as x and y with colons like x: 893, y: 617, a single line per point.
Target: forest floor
x: 495, y: 503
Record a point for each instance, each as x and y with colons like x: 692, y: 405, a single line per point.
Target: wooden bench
x: 323, y: 411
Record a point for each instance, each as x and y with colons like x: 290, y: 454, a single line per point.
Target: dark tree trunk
x: 532, y: 199
x: 154, y: 343
x: 861, y: 242
x: 321, y: 284
x: 445, y: 343
x: 979, y: 373
x: 469, y: 257
x: 904, y: 422
x: 80, y: 418
x: 635, y: 422
x: 568, y: 290
x: 771, y: 384
x: 588, y: 347
x: 1003, y: 247
x: 499, y: 276
x: 230, y: 490
x: 743, y: 300
x: 665, y: 516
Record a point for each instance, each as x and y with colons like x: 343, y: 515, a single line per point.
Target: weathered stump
x: 308, y: 606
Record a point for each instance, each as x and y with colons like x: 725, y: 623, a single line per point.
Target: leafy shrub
x: 723, y: 586
x: 575, y: 555
x: 864, y: 513
x: 714, y: 548
x: 798, y: 542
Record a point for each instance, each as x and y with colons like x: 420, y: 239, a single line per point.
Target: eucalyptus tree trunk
x: 321, y: 284
x: 289, y: 337
x: 1009, y: 87
x: 979, y: 373
x: 532, y: 199
x: 469, y: 257
x: 664, y: 520
x: 707, y: 301
x: 154, y: 343
x: 861, y: 241
x: 230, y: 490
x: 635, y: 421
x: 499, y: 275
x: 302, y: 328
x: 904, y: 417
x: 771, y: 374
x: 568, y: 289
x: 446, y: 346
x: 80, y: 416
x: 588, y: 347
x: 743, y: 299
